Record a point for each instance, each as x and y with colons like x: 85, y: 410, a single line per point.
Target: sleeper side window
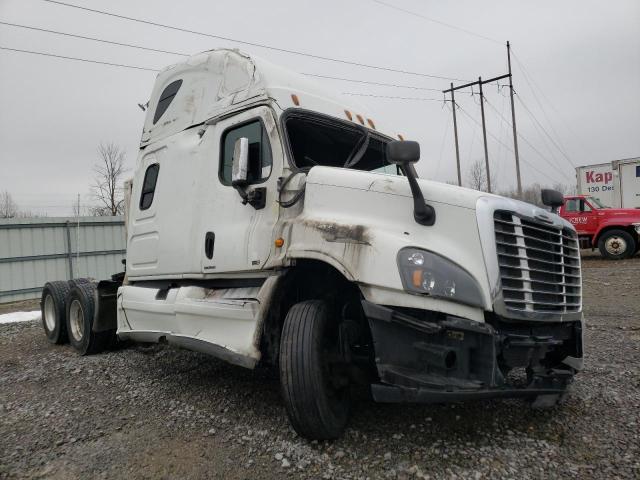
x: 166, y: 97
x: 149, y: 186
x: 260, y: 161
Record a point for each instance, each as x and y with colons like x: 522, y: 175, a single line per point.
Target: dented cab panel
x: 360, y: 228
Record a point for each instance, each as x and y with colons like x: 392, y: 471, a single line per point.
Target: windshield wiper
x: 358, y: 150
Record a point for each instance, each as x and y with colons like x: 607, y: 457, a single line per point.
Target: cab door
x: 571, y: 211
x: 591, y: 214
x: 237, y: 237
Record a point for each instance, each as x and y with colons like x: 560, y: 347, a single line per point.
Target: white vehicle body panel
x: 195, y: 317
x: 628, y: 195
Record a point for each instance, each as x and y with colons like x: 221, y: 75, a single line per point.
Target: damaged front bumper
x: 443, y: 358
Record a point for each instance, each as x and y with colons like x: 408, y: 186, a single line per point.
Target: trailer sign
x: 593, y: 177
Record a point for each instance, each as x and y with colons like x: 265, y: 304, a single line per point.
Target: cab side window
x: 260, y: 161
x: 584, y: 206
x: 149, y: 186
x: 572, y: 205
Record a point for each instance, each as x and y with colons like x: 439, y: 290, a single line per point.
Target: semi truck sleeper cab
x: 270, y: 221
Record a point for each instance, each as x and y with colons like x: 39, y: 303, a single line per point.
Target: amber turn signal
x: 279, y: 242
x: 416, y: 278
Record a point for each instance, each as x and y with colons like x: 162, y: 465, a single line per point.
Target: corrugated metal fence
x: 36, y: 250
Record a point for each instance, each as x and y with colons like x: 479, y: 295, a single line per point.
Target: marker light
x: 295, y: 100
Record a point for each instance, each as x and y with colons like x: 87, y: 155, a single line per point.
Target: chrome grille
x: 539, y: 265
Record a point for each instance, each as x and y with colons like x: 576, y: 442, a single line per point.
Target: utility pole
x: 484, y: 136
x: 480, y: 83
x: 513, y: 122
x: 455, y: 134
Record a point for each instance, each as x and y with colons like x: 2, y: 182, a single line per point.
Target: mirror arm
x: 422, y: 213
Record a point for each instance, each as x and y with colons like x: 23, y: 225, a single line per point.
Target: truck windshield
x: 316, y: 139
x: 596, y: 203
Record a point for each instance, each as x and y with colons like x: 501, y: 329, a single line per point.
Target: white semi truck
x: 271, y: 222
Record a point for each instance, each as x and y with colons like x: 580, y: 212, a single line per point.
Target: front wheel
x: 315, y: 390
x: 616, y: 244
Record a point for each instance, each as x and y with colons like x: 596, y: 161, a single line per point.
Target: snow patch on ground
x: 20, y: 317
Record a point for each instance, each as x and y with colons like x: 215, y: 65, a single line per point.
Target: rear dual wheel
x: 53, y: 309
x: 80, y: 312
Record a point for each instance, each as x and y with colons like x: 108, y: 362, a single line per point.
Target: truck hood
x: 395, y: 185
x: 628, y: 213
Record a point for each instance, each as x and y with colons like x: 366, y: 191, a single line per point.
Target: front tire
x: 616, y: 245
x: 316, y: 398
x: 52, y: 307
x: 80, y: 306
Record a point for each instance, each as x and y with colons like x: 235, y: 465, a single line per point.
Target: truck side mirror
x: 552, y: 199
x: 240, y: 162
x: 401, y: 152
x: 405, y: 154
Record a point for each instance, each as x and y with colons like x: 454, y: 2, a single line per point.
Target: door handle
x: 209, y: 241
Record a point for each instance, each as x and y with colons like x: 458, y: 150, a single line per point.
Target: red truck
x: 615, y: 231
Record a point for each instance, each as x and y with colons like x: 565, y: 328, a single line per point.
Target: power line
x: 525, y: 140
x: 533, y: 86
x: 78, y: 59
x: 395, y: 85
x: 520, y: 135
x: 183, y: 54
x: 394, y: 97
x: 444, y: 136
x: 94, y: 39
x: 253, y: 44
x: 542, y: 132
x: 545, y: 132
x: 154, y: 70
x: 505, y: 145
x: 439, y: 22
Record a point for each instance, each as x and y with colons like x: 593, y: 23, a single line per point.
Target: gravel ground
x: 156, y: 412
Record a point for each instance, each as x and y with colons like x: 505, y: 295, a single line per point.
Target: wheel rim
x: 49, y: 313
x: 615, y: 245
x: 76, y: 320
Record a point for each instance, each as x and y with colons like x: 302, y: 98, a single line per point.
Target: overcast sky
x: 582, y: 58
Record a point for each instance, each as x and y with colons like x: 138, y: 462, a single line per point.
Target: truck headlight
x: 428, y: 273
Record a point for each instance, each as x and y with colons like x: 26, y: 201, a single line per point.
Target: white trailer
x: 616, y: 184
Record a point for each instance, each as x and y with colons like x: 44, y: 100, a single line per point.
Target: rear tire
x: 317, y: 408
x: 616, y: 245
x: 80, y: 308
x: 53, y: 309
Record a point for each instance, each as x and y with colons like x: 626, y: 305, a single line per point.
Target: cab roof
x: 217, y: 82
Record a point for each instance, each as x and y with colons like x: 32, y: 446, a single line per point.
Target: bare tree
x: 477, y: 176
x: 8, y: 208
x: 107, y: 188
